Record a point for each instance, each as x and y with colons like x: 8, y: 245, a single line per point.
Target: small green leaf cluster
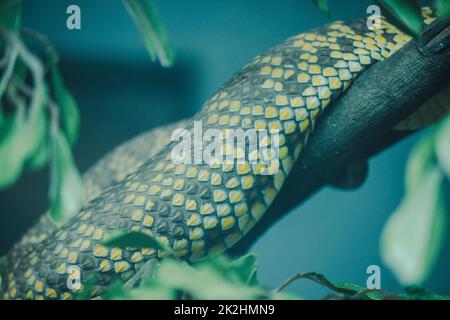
x: 222, y: 278
x: 146, y: 18
x: 39, y: 118
x: 171, y: 278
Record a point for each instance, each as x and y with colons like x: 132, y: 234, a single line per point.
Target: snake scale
x: 202, y: 209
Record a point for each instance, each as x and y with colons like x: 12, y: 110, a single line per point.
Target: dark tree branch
x: 360, y: 123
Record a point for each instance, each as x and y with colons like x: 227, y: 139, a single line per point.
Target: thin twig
x: 4, y: 59
x: 15, y: 98
x: 313, y: 277
x: 51, y: 105
x: 36, y: 69
x: 13, y: 54
x: 339, y: 292
x: 289, y: 281
x: 48, y: 46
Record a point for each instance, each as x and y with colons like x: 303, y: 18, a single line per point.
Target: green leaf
x: 323, y: 6
x: 245, y: 267
x: 405, y: 14
x: 442, y: 9
x: 280, y: 295
x: 147, y: 21
x: 66, y: 186
x: 40, y: 158
x: 20, y: 137
x: 242, y: 270
x: 176, y: 275
x: 124, y: 239
x: 150, y: 292
x: 12, y: 148
x: 443, y: 146
x: 412, y: 237
x: 68, y: 108
x: 38, y: 137
x: 421, y: 160
x: 174, y: 279
x: 153, y: 293
x: 147, y: 290
x: 116, y: 291
x: 10, y: 15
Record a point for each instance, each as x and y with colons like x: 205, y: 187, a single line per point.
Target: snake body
x: 107, y: 172
x: 198, y: 209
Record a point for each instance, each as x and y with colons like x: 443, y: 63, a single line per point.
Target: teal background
x: 121, y: 93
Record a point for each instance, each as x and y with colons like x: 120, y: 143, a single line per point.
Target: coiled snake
x: 203, y: 209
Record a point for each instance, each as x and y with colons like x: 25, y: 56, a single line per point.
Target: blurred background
x: 121, y: 93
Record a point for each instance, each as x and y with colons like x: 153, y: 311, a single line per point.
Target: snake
x: 204, y: 209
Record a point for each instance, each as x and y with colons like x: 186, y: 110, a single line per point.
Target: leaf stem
x: 33, y: 63
x: 15, y: 98
x: 13, y: 55
x: 45, y: 42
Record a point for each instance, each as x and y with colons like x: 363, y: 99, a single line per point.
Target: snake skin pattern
x: 201, y: 209
x: 107, y: 172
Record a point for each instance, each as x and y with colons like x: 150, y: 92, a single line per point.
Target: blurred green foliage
x: 34, y: 105
x: 39, y: 117
x: 171, y: 278
x: 443, y: 9
x: 405, y: 14
x: 174, y: 279
x: 323, y: 6
x: 147, y: 20
x: 10, y: 15
x: 413, y: 236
